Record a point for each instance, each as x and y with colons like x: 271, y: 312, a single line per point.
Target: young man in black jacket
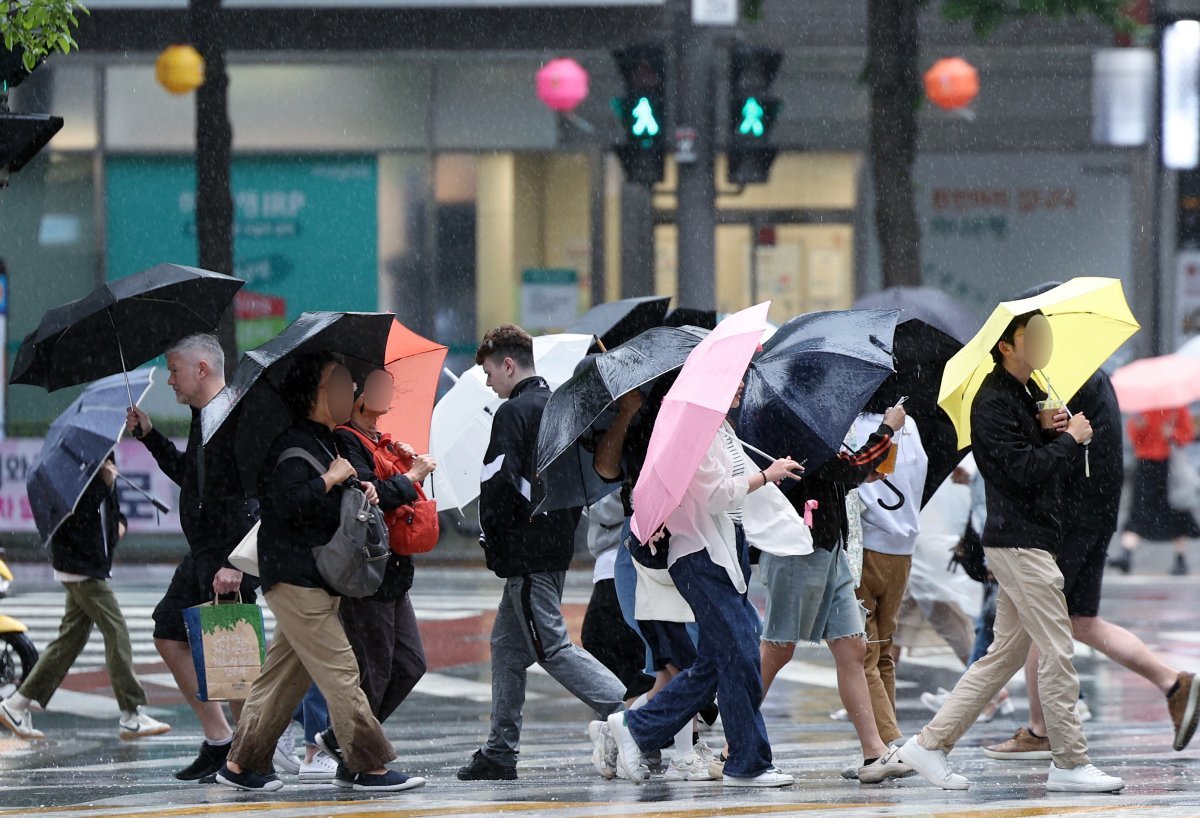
x: 532, y: 553
x: 215, y: 515
x: 1023, y: 467
x: 81, y: 552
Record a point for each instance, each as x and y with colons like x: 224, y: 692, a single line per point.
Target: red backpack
x: 412, y: 529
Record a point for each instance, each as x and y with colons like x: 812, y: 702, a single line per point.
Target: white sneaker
x: 1081, y: 779
x: 934, y: 701
x: 19, y: 721
x: 840, y: 715
x: 321, y: 768
x: 886, y: 766
x: 629, y: 755
x: 773, y: 777
x: 604, y: 749
x: 693, y: 766
x: 139, y: 725
x: 285, y: 760
x: 1083, y: 711
x: 931, y: 764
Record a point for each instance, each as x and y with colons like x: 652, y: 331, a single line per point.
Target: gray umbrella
x: 77, y: 444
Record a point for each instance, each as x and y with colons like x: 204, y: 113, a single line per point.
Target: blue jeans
x: 625, y: 580
x: 313, y: 715
x: 985, y: 622
x: 727, y: 663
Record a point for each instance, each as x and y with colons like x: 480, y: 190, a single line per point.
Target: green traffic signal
x: 644, y: 124
x: 753, y: 115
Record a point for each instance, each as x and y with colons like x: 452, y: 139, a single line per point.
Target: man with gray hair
x: 215, y: 514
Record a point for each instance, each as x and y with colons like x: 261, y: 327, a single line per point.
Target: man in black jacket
x: 215, y: 515
x: 81, y: 552
x: 532, y: 553
x: 1023, y: 465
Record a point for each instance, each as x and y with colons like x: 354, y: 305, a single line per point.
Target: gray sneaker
x: 886, y: 766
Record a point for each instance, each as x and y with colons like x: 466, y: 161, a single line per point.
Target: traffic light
x: 642, y: 112
x: 21, y: 135
x: 752, y: 112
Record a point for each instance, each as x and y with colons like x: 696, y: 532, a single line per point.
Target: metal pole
x: 695, y: 108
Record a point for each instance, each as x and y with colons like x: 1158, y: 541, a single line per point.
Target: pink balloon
x: 562, y: 84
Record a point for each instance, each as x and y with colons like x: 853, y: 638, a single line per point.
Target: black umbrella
x: 77, y: 444
x: 576, y: 410
x: 616, y: 322
x: 688, y: 316
x: 932, y: 328
x: 251, y: 407
x: 122, y: 324
x: 812, y: 379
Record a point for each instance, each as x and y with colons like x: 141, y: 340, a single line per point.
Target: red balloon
x: 562, y: 84
x: 951, y: 83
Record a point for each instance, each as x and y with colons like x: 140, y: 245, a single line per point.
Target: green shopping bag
x: 228, y: 648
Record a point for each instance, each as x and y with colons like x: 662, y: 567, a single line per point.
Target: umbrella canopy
x: 691, y: 317
x: 1090, y: 320
x: 251, y: 407
x: 1165, y: 382
x: 566, y: 475
x: 77, y: 444
x: 812, y: 379
x: 416, y: 365
x: 692, y: 412
x: 122, y: 324
x: 1191, y: 349
x: 616, y: 322
x: 932, y: 328
x: 462, y: 419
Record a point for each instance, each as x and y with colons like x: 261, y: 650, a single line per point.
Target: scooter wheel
x: 17, y: 658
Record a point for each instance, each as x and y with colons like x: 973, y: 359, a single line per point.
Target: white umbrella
x: 462, y: 419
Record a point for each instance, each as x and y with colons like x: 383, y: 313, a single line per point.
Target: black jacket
x: 214, y: 512
x: 81, y: 545
x: 1023, y: 468
x: 514, y: 542
x: 297, y: 514
x: 394, y: 492
x: 1092, y: 503
x: 829, y: 484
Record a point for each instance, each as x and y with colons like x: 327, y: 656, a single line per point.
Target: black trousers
x: 606, y: 636
x: 387, y: 644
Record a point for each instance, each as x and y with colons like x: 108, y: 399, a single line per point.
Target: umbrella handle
x: 158, y: 504
x: 899, y: 494
x: 137, y: 430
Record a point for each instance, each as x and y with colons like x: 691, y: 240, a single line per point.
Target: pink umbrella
x: 1165, y: 382
x: 691, y: 413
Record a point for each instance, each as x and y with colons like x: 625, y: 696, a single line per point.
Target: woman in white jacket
x: 710, y: 564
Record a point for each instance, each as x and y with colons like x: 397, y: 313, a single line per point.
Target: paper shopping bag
x: 228, y: 648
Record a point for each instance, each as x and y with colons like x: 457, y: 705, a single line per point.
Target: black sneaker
x: 249, y: 780
x: 391, y: 781
x: 1123, y: 563
x: 343, y: 779
x: 210, y: 759
x: 482, y: 768
x: 328, y: 742
x: 1180, y: 568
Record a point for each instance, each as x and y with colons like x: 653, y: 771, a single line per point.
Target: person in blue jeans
x: 312, y: 714
x: 710, y: 564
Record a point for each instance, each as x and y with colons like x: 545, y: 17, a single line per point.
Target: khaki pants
x: 884, y: 578
x: 89, y: 602
x: 309, y: 646
x: 1030, y: 608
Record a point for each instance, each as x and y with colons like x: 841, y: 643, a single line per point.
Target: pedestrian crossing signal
x: 752, y: 112
x: 641, y: 111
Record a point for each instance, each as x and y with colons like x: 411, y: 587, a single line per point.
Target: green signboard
x: 306, y: 229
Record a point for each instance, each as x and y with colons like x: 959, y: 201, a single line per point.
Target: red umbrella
x: 416, y: 365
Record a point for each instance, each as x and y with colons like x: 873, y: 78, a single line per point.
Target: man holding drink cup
x: 1024, y: 446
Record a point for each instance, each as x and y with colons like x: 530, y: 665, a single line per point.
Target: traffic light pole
x: 694, y: 107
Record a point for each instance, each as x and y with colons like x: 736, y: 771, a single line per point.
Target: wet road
x: 82, y: 769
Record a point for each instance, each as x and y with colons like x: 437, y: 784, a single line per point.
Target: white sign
x: 715, y: 12
x: 133, y: 461
x: 549, y: 298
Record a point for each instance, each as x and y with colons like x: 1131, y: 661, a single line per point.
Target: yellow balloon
x: 179, y: 69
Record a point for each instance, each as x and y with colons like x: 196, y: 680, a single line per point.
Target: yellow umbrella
x: 1090, y: 320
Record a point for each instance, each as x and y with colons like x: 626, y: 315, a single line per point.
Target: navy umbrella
x: 615, y: 322
x: 811, y: 380
x: 251, y: 407
x: 77, y: 444
x: 576, y: 413
x: 122, y: 324
x: 931, y: 329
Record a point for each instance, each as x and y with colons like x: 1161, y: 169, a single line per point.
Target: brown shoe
x: 1023, y: 746
x: 1183, y: 709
